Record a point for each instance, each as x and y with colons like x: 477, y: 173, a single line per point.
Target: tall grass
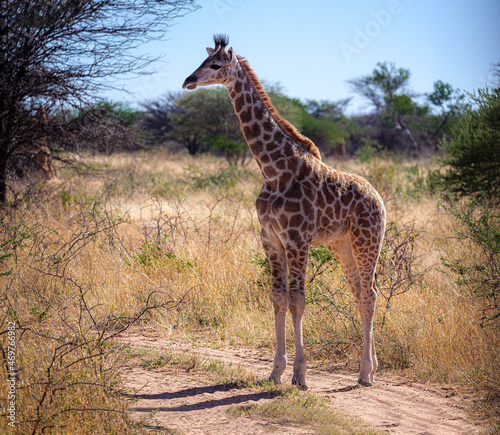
x: 174, y: 243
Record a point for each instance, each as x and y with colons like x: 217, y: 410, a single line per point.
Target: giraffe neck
x: 269, y: 137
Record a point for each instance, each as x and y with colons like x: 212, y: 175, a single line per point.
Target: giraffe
x: 303, y: 202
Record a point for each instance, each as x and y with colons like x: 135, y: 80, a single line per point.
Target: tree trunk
x: 401, y: 125
x: 340, y: 148
x: 3, y: 177
x: 42, y: 155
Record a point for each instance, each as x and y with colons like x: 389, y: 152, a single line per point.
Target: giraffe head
x: 217, y: 67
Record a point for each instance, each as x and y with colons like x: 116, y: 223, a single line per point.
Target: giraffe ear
x: 230, y: 54
x: 210, y: 51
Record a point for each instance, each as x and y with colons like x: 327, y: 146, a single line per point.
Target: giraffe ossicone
x: 303, y: 202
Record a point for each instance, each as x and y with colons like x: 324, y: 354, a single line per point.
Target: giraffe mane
x: 307, y: 143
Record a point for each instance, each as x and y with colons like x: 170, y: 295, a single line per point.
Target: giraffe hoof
x: 365, y: 383
x: 302, y: 385
x: 275, y: 379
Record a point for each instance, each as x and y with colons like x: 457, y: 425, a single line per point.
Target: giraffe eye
x: 215, y: 67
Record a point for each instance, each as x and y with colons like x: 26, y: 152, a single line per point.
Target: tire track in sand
x: 390, y: 405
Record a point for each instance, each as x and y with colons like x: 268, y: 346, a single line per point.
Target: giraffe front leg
x: 277, y: 262
x: 299, y: 364
x: 280, y: 307
x: 375, y: 361
x: 297, y: 263
x: 369, y: 363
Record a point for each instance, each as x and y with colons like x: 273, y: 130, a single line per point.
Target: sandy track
x: 191, y: 404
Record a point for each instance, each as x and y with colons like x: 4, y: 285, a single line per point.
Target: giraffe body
x: 303, y: 202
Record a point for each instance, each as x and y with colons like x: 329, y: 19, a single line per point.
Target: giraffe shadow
x: 233, y: 399
x: 345, y: 389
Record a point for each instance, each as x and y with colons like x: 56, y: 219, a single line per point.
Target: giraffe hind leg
x: 365, y: 302
x: 297, y: 263
x: 366, y: 262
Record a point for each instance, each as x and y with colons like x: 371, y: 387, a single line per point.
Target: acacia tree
x: 386, y: 89
x: 58, y: 53
x: 449, y: 104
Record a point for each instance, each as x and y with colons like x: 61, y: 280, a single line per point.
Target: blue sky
x: 313, y: 47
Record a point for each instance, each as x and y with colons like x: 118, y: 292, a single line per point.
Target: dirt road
x: 190, y: 403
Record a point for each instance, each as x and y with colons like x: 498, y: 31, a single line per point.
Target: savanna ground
x: 141, y: 284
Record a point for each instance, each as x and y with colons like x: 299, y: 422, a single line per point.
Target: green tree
x: 322, y: 132
x: 327, y: 109
x: 204, y: 120
x: 319, y: 120
x: 472, y: 158
x: 386, y: 89
x: 381, y: 86
x: 446, y: 106
x: 290, y: 109
x: 326, y: 124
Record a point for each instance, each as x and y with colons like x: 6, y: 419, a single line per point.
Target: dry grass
x: 180, y: 234
x: 298, y: 408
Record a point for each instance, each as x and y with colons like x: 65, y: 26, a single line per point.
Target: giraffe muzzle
x: 190, y: 83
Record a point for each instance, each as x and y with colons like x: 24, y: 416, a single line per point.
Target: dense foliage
x: 401, y: 122
x: 473, y: 152
x: 472, y: 170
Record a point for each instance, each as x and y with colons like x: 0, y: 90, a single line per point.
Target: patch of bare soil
x: 190, y: 403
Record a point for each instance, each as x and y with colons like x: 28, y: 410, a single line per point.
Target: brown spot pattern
x: 304, y: 202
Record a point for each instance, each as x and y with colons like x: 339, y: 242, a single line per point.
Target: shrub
x: 55, y: 322
x: 473, y: 152
x: 477, y: 271
x: 478, y: 226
